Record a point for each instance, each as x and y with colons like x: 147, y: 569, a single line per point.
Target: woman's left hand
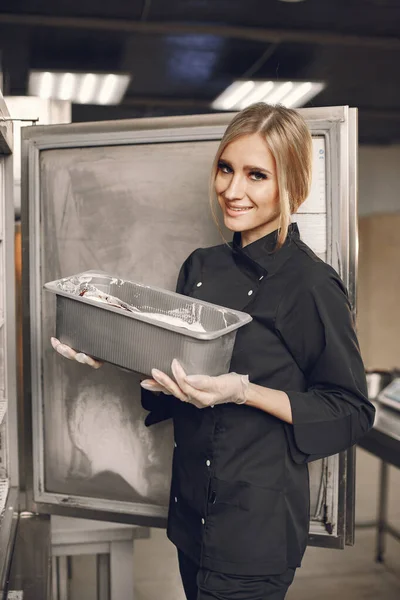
x: 200, y: 390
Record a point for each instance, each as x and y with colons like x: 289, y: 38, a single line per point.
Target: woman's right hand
x: 71, y: 354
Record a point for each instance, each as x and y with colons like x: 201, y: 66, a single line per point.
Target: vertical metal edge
x: 35, y: 319
x: 25, y: 436
x: 350, y: 497
x: 343, y: 250
x: 8, y: 532
x: 332, y: 150
x: 352, y: 134
x: 341, y: 216
x: 346, y: 260
x: 10, y: 338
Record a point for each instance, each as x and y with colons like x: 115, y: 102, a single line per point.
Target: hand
x: 71, y: 354
x: 201, y: 390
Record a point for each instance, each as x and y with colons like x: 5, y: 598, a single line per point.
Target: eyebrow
x: 248, y: 167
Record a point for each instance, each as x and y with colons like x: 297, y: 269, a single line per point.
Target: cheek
x: 218, y: 185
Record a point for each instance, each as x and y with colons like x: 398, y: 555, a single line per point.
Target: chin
x: 236, y: 224
x: 233, y: 226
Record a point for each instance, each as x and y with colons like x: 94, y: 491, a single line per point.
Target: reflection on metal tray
x: 387, y: 421
x: 390, y: 395
x: 127, y: 331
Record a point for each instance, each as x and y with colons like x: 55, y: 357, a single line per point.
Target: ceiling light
x: 67, y: 86
x: 46, y: 85
x: 234, y: 94
x: 81, y: 88
x: 258, y: 94
x: 280, y: 92
x: 291, y: 94
x: 86, y: 94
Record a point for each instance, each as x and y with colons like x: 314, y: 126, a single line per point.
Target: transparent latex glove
x: 201, y: 390
x: 71, y: 354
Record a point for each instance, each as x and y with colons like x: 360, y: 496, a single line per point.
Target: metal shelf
x: 4, y: 485
x: 3, y: 410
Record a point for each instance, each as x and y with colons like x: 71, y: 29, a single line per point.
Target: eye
x: 224, y: 167
x: 257, y: 176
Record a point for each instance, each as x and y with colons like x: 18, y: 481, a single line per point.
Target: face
x: 247, y: 188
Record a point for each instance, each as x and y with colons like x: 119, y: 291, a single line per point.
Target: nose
x: 236, y: 188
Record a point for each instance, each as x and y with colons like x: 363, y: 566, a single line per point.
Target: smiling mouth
x: 241, y: 209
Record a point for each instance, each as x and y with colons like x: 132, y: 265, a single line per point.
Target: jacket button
x: 208, y: 463
x: 262, y: 277
x: 200, y: 284
x: 213, y: 497
x: 175, y: 444
x: 176, y: 499
x: 203, y: 522
x: 250, y: 293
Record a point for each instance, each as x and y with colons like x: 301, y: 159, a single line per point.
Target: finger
x: 64, y: 350
x: 179, y: 375
x: 54, y: 342
x: 88, y: 360
x: 200, y: 382
x: 92, y: 362
x: 198, y: 397
x: 153, y: 386
x: 167, y: 382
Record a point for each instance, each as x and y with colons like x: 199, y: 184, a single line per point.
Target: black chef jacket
x: 240, y: 492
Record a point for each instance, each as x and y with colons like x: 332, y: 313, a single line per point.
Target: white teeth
x: 241, y: 209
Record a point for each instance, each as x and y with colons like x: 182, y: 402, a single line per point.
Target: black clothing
x: 203, y: 584
x: 240, y: 491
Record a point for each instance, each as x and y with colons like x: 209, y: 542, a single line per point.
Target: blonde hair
x: 289, y: 142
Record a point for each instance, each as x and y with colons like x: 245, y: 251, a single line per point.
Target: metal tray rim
x: 245, y: 318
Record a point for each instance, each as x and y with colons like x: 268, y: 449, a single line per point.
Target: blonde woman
x: 296, y: 391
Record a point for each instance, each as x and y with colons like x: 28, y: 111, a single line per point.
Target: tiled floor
x: 349, y: 574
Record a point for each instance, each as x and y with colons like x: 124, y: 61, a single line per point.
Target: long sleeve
x: 316, y: 324
x: 161, y: 406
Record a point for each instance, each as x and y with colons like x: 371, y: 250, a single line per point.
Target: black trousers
x: 202, y: 584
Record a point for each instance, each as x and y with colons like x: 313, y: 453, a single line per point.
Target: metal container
x: 377, y: 381
x: 137, y: 340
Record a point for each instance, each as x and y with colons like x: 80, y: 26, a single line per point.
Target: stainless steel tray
x: 136, y: 340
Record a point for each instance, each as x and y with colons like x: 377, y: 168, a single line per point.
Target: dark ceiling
x: 183, y: 53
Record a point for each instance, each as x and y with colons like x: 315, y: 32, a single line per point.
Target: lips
x: 236, y: 211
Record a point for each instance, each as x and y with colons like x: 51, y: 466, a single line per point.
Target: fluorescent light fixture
x: 280, y: 92
x: 234, y: 94
x: 80, y: 88
x: 258, y: 94
x: 291, y: 94
x: 67, y: 86
x: 46, y: 85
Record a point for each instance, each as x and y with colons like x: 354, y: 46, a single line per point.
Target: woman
x: 239, y: 504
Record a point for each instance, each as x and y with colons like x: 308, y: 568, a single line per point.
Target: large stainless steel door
x: 131, y: 198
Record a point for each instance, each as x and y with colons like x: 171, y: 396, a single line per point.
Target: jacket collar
x: 260, y: 256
